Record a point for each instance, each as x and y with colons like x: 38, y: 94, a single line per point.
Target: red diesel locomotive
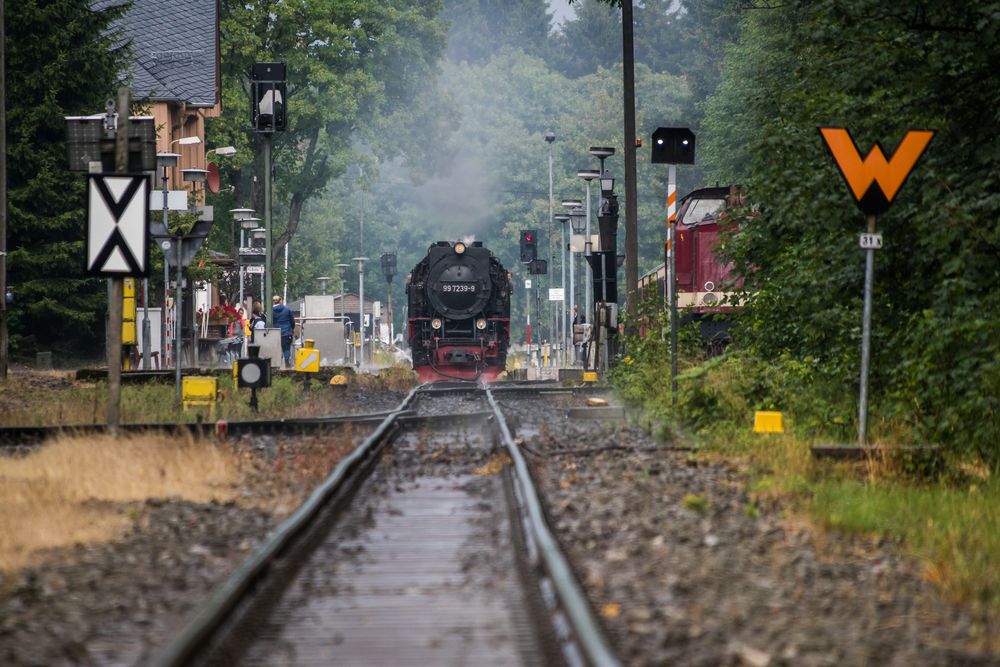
x: 705, y: 283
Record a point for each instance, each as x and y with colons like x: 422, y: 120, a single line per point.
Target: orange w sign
x: 874, y: 180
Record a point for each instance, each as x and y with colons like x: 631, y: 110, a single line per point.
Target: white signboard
x: 527, y: 283
x: 254, y: 268
x: 177, y: 200
x: 873, y: 241
x: 118, y: 225
x: 556, y: 294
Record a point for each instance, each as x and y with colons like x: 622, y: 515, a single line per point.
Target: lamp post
x: 601, y: 153
x: 588, y: 288
x: 608, y: 228
x: 577, y: 220
x: 259, y: 234
x: 361, y: 307
x: 246, y: 228
x: 341, y: 271
x: 223, y: 151
x: 164, y: 161
x: 323, y: 280
x: 192, y: 176
x: 550, y: 137
x: 562, y: 219
x: 569, y: 204
x: 242, y: 215
x: 389, y: 271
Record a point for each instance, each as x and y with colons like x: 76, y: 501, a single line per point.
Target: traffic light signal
x: 538, y: 267
x: 529, y: 245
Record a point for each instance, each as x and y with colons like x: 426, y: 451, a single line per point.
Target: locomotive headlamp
x: 459, y: 248
x: 710, y: 299
x: 709, y: 286
x: 436, y: 323
x: 481, y: 323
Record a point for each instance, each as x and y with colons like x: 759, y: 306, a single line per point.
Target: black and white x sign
x: 117, y: 225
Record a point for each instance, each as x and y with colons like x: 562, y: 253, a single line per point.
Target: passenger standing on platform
x: 257, y: 320
x: 283, y: 319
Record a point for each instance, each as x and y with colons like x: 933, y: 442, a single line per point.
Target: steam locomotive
x: 459, y: 313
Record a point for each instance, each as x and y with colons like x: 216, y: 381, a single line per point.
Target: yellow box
x: 199, y: 392
x: 767, y: 422
x: 307, y: 360
x: 590, y: 376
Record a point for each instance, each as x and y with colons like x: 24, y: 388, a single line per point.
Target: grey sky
x: 561, y: 10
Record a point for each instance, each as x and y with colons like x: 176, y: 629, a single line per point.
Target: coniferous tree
x: 61, y: 61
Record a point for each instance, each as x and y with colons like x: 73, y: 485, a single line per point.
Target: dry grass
x: 70, y: 491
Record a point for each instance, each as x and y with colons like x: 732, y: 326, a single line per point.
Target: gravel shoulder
x: 115, y: 603
x: 685, y: 569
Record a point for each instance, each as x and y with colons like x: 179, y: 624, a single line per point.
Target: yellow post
x: 200, y: 392
x: 307, y: 358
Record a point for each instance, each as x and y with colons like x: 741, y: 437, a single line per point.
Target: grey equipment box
x: 328, y: 337
x: 270, y: 345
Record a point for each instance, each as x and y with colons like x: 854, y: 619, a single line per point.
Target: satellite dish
x: 213, y: 177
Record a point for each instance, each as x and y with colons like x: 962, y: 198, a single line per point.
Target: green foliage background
x: 877, y: 69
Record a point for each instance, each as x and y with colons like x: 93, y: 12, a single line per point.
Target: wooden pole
x: 631, y: 197
x: 3, y: 201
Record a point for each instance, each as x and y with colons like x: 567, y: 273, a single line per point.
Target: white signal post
x: 671, y: 285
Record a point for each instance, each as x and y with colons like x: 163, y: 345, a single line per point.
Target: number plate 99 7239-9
x: 458, y: 288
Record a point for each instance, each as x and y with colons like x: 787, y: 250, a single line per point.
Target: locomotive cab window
x: 703, y: 211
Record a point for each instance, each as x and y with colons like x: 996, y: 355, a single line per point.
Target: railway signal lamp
x: 253, y: 372
x: 673, y: 145
x: 268, y: 95
x: 538, y: 267
x: 529, y: 245
x: 388, y: 266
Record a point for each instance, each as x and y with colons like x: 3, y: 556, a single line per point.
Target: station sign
x: 556, y: 293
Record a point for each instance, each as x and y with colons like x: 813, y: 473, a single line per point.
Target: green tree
x: 481, y: 28
x: 350, y: 66
x: 878, y: 70
x: 61, y: 61
x: 590, y: 40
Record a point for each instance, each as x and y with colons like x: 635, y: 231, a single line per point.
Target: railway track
x: 427, y: 545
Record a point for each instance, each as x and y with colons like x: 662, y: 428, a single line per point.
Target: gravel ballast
x: 684, y: 569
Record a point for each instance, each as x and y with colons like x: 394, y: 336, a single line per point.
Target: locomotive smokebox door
x: 673, y: 145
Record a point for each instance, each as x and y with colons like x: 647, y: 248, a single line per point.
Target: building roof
x: 175, y: 48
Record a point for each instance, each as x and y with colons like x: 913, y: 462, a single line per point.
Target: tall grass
x: 26, y: 402
x: 70, y: 491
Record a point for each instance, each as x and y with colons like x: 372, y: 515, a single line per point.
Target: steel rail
x: 573, y: 601
x: 20, y: 435
x: 199, y: 630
